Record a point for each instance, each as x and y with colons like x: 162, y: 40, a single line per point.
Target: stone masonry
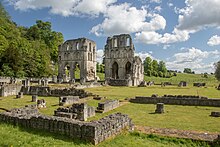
x: 94, y: 132
x: 10, y: 89
x: 75, y: 53
x: 51, y: 91
x: 78, y: 111
x: 178, y: 100
x: 68, y: 100
x: 108, y: 105
x: 122, y: 67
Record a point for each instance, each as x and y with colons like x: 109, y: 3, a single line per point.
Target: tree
x: 217, y: 70
x: 147, y: 64
x: 155, y: 65
x: 97, y: 67
x: 162, y: 67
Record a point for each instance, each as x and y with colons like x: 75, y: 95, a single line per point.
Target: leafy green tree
x: 217, y: 70
x: 162, y: 67
x: 155, y: 65
x: 102, y: 68
x: 187, y: 70
x: 98, y: 67
x: 147, y: 64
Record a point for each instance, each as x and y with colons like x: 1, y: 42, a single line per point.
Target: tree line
x: 27, y: 51
x: 157, y: 69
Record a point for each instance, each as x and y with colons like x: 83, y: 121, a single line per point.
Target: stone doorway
x: 115, y: 70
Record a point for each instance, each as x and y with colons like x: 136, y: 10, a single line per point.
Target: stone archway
x: 128, y: 68
x: 115, y: 70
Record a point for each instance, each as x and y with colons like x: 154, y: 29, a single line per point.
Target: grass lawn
x: 129, y: 92
x: 177, y: 117
x: 15, y: 136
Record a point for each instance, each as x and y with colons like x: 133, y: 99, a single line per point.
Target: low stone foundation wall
x: 94, y: 132
x: 51, y: 91
x: 177, y: 101
x: 118, y: 82
x: 108, y: 105
x: 78, y: 111
x: 10, y: 89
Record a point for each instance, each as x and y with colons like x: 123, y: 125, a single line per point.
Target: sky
x: 183, y: 33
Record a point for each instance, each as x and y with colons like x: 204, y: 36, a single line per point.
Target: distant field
x: 189, y: 78
x: 128, y: 92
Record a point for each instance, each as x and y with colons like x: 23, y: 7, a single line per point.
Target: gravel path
x: 195, y: 135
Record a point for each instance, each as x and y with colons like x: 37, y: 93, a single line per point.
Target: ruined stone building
x: 122, y: 67
x: 77, y: 54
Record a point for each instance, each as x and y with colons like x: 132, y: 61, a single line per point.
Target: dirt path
x: 195, y: 135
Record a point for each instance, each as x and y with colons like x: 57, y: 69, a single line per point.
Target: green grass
x: 12, y: 102
x: 176, y: 117
x: 189, y: 78
x: 15, y: 136
x: 129, y: 92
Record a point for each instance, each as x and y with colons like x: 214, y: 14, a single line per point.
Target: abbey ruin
x: 77, y: 53
x: 122, y: 67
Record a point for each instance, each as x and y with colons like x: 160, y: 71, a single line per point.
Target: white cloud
x: 214, y: 40
x: 124, y: 18
x: 170, y: 4
x: 156, y: 38
x: 193, y: 58
x: 143, y: 55
x: 66, y: 7
x: 99, y: 55
x: 166, y: 46
x: 156, y: 1
x: 93, y: 7
x: 158, y: 8
x: 199, y: 14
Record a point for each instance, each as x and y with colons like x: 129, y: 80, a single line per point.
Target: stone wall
x: 191, y: 101
x: 94, y: 132
x: 10, y: 89
x: 108, y: 105
x: 51, y: 91
x: 68, y: 100
x: 119, y: 82
x: 77, y: 111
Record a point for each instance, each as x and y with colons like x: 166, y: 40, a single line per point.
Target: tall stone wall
x: 177, y: 101
x: 50, y: 91
x: 121, y: 62
x: 10, y: 89
x: 94, y: 132
x: 77, y: 53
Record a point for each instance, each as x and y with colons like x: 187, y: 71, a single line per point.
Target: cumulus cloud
x: 156, y: 1
x: 124, y: 18
x: 153, y: 37
x: 214, y: 40
x: 199, y: 14
x: 99, y: 55
x: 193, y: 58
x: 196, y: 15
x: 143, y: 55
x: 65, y: 8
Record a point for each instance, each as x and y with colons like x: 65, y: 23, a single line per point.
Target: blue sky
x: 183, y: 33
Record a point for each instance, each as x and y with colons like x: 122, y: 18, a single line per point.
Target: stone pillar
x: 160, y: 108
x: 54, y: 79
x: 34, y: 98
x: 20, y: 95
x: 26, y: 83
